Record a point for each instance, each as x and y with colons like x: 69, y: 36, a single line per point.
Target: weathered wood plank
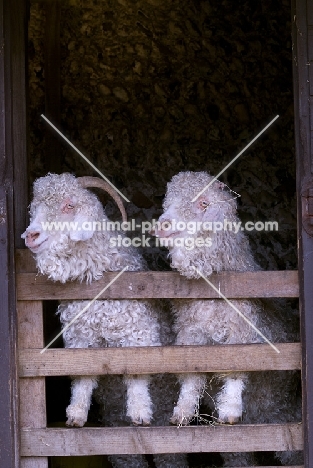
x: 34, y: 462
x: 32, y: 391
x: 19, y: 117
x: 30, y: 324
x: 96, y: 461
x: 302, y: 15
x: 24, y: 261
x: 12, y: 123
x: 131, y: 440
x: 52, y: 67
x: 153, y: 284
x: 154, y: 360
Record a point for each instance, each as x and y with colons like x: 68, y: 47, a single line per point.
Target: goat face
x: 184, y: 217
x: 61, y: 211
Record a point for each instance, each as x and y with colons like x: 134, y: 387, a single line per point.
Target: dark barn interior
x: 146, y: 89
x: 151, y: 88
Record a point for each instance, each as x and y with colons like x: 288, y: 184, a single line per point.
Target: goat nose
x: 161, y: 224
x: 165, y: 224
x: 32, y: 236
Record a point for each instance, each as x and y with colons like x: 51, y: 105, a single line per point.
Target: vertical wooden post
x: 8, y: 382
x: 52, y: 67
x: 12, y: 42
x: 19, y: 119
x: 32, y: 391
x: 302, y: 20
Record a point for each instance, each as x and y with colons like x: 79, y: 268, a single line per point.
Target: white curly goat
x: 195, y: 250
x: 81, y: 253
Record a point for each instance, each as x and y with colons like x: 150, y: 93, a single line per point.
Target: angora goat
x: 79, y: 252
x: 194, y: 249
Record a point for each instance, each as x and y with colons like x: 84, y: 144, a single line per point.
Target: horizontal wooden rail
x: 132, y: 440
x: 155, y: 360
x: 153, y: 284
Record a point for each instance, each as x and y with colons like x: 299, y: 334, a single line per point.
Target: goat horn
x: 95, y: 182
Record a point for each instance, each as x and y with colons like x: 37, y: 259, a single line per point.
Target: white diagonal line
x: 83, y: 156
x: 235, y: 158
x: 238, y: 311
x: 84, y: 309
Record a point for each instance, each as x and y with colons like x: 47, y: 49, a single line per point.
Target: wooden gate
x: 39, y: 441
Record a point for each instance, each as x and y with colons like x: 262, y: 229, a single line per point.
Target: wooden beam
x: 154, y: 284
x: 19, y: 128
x: 302, y: 24
x: 155, y: 360
x: 52, y: 70
x: 131, y: 440
x: 12, y: 67
x: 24, y: 261
x: 35, y: 462
x: 32, y: 391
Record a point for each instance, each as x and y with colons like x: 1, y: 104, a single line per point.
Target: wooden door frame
x: 302, y: 21
x: 13, y: 209
x: 13, y: 188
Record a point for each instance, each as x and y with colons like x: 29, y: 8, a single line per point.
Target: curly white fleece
x: 67, y: 259
x: 106, y: 322
x: 214, y: 322
x: 229, y: 251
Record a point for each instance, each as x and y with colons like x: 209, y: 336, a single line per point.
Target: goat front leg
x: 139, y: 404
x: 77, y: 411
x: 229, y: 399
x: 192, y: 386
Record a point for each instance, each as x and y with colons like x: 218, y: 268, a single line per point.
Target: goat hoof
x: 228, y: 420
x: 175, y: 422
x: 233, y: 420
x: 179, y: 421
x: 141, y: 422
x: 71, y: 422
x: 76, y: 417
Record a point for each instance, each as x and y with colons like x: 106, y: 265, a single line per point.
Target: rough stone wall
x: 153, y: 87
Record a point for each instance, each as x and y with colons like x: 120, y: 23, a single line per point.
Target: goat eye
x: 204, y: 204
x: 67, y: 208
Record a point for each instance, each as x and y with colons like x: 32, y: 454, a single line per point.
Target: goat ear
x: 214, y: 213
x: 82, y: 228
